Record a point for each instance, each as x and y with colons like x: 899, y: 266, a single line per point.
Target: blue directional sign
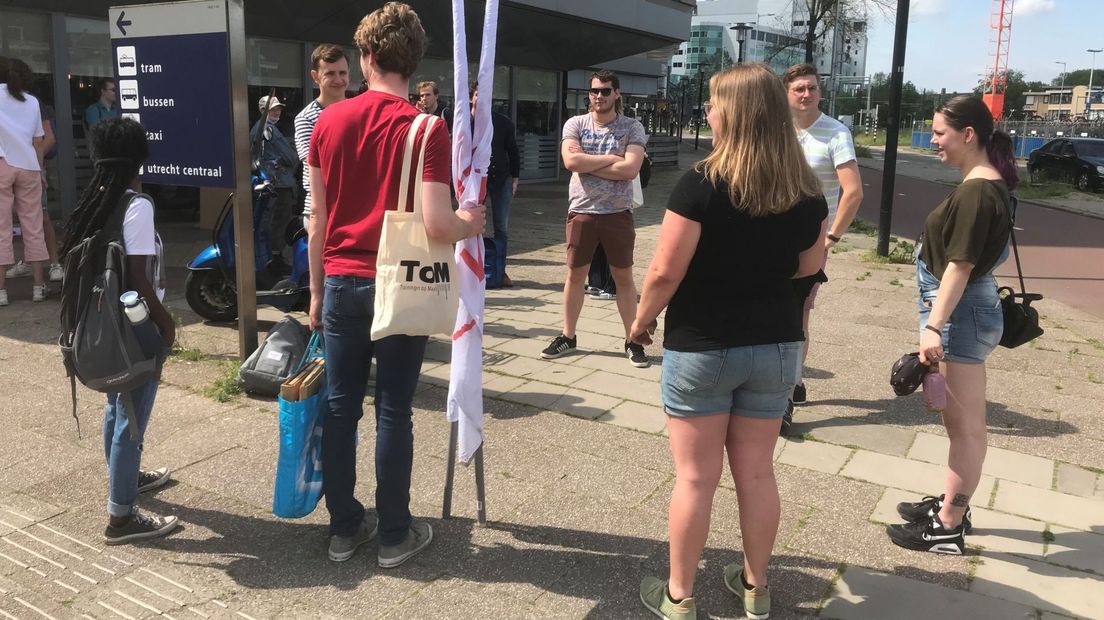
x: 172, y: 75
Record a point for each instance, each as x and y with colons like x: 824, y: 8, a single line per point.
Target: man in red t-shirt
x: 355, y: 161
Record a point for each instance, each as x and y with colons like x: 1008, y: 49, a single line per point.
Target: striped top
x: 304, y: 127
x: 828, y: 145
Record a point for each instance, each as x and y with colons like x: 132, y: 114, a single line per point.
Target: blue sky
x: 948, y: 40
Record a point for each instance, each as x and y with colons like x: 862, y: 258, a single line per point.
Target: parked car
x: 1074, y: 160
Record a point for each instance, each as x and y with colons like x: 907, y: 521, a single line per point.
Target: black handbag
x: 1021, y: 321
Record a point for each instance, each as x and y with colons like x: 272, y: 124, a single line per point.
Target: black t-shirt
x: 737, y: 290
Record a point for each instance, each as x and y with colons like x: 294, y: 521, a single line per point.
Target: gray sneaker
x: 343, y: 547
x: 142, y: 525
x: 417, y: 539
x: 150, y: 479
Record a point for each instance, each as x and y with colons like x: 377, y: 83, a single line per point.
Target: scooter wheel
x: 210, y: 295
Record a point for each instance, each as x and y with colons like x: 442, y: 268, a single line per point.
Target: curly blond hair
x: 394, y: 36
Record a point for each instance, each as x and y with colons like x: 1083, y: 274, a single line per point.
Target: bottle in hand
x: 935, y: 391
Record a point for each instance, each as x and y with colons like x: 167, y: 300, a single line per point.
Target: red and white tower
x: 1000, y: 35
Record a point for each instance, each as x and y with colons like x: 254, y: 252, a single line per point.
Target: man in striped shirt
x: 330, y: 70
x: 830, y: 151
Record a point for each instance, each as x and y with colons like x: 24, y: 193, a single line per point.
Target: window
x: 677, y: 65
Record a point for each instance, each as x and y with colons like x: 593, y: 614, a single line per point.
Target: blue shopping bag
x: 299, y: 466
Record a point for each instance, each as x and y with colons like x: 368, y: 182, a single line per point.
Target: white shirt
x: 141, y: 239
x: 20, y: 124
x: 828, y: 145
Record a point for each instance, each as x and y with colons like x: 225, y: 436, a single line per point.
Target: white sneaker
x: 3, y: 297
x: 56, y: 273
x: 38, y: 293
x: 18, y: 270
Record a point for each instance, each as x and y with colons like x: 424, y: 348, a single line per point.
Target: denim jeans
x: 347, y: 323
x: 500, y: 192
x: 123, y: 453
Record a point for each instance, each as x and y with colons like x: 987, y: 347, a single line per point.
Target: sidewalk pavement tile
x: 841, y: 431
x: 522, y: 347
x: 583, y: 404
x: 628, y: 388
x: 999, y: 463
x: 1075, y: 480
x: 1051, y: 506
x: 816, y: 455
x: 1039, y: 585
x: 536, y: 393
x: 600, y: 327
x: 630, y: 414
x: 893, y: 471
x: 1077, y: 549
x: 862, y: 594
x: 520, y: 329
x: 495, y: 384
x: 610, y: 357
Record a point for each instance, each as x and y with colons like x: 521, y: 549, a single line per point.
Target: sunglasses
x: 604, y: 92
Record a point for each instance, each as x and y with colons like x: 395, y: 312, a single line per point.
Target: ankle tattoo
x: 961, y: 500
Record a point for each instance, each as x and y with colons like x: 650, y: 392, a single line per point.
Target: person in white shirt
x: 830, y: 151
x: 21, y: 141
x: 119, y: 148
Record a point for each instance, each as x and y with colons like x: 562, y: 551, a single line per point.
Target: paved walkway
x: 578, y: 472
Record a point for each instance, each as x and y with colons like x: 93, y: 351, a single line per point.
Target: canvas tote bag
x: 416, y: 288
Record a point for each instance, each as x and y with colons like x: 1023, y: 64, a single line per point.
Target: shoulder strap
x: 408, y: 151
x: 1012, y: 205
x: 421, y: 165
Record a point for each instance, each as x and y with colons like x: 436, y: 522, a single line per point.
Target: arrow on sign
x: 122, y: 23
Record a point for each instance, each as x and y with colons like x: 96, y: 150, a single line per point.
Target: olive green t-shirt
x: 971, y: 225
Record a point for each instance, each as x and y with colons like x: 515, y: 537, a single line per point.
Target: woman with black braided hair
x: 118, y: 149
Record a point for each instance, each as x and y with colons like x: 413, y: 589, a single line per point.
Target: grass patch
x: 895, y: 282
x: 1048, y: 536
x: 865, y: 275
x: 861, y: 227
x: 1093, y: 378
x: 840, y: 248
x: 862, y: 150
x: 899, y: 254
x: 808, y: 436
x: 1096, y: 344
x: 184, y: 354
x: 1043, y: 190
x: 227, y: 386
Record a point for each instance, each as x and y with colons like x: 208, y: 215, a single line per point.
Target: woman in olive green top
x: 964, y: 239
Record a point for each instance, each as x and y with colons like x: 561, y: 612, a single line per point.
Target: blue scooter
x: 211, y: 287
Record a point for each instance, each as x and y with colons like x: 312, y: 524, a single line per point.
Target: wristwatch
x: 834, y: 238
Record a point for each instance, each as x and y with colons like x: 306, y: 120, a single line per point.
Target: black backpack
x: 98, y: 344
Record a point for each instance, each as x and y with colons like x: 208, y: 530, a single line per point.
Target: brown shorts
x: 615, y: 231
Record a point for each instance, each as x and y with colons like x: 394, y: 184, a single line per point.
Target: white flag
x: 471, y: 156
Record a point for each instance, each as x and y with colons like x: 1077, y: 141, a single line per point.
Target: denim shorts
x: 977, y: 322
x: 753, y: 381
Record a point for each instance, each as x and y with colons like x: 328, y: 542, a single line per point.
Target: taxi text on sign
x: 172, y: 75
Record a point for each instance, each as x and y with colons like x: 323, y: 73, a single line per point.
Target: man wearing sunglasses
x: 604, y: 150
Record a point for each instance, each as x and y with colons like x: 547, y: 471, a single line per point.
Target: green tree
x: 1077, y: 77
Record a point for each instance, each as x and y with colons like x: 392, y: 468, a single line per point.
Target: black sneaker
x: 929, y: 536
x: 140, y: 526
x: 799, y: 394
x: 561, y: 345
x: 787, y: 419
x: 916, y: 512
x: 150, y: 479
x: 637, y: 356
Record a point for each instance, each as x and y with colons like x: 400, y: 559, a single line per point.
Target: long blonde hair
x: 755, y: 147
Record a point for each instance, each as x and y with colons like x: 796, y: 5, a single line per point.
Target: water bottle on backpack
x: 149, y: 337
x: 935, y: 391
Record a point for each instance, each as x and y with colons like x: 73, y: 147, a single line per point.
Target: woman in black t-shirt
x: 961, y: 321
x: 738, y: 228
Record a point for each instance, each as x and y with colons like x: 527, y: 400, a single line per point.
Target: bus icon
x: 128, y: 94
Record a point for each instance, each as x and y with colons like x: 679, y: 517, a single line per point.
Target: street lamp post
x: 1088, y: 97
x: 701, y: 113
x: 741, y: 39
x: 1062, y: 89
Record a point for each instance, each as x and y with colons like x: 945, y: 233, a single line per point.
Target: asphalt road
x: 1062, y: 253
